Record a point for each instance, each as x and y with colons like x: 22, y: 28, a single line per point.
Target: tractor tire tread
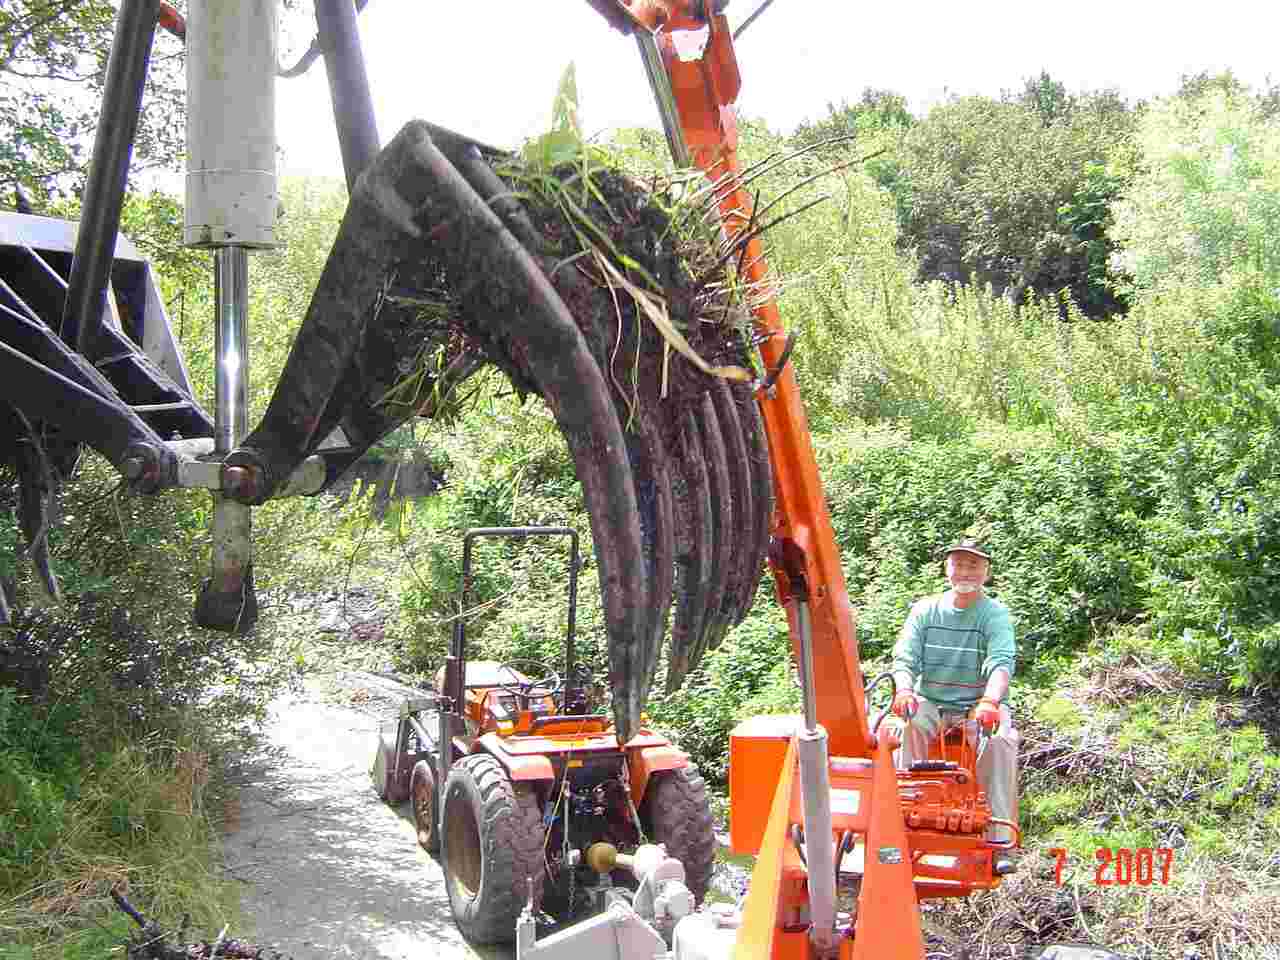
x: 511, y: 837
x: 677, y: 813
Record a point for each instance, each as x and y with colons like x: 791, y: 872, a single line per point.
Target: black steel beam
x: 88, y: 417
x: 108, y: 174
x: 348, y: 86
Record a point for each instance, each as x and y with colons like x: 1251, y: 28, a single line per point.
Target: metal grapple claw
x: 670, y: 458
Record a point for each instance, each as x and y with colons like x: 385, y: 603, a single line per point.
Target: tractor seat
x: 485, y: 673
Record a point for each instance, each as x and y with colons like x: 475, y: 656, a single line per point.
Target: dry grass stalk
x: 69, y: 894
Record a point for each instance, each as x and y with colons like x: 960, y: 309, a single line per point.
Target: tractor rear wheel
x: 423, y: 793
x: 492, y: 833
x: 676, y: 812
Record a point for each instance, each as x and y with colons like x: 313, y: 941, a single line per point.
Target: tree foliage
x: 876, y: 110
x: 53, y: 63
x: 1015, y: 192
x: 1207, y: 200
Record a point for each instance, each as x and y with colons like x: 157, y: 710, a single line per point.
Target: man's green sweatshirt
x: 950, y: 652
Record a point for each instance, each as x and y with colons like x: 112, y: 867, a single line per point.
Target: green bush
x: 518, y: 593
x: 1214, y: 582
x: 40, y: 761
x: 1063, y: 519
x: 1015, y: 193
x: 1207, y: 198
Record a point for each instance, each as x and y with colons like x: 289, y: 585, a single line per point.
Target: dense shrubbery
x: 1124, y: 471
x: 519, y: 589
x: 1207, y: 200
x: 1014, y: 193
x: 40, y: 764
x: 1061, y: 517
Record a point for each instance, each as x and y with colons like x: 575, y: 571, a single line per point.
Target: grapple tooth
x: 653, y: 496
x: 645, y: 450
x: 692, y: 511
x: 718, y: 491
x: 734, y: 604
x: 762, y: 490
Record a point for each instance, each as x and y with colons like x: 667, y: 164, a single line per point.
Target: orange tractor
x: 531, y: 780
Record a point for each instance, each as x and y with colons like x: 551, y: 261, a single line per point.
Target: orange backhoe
x: 920, y: 832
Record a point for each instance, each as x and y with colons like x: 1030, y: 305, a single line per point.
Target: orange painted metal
x: 520, y: 766
x: 571, y: 726
x: 758, y: 746
x: 764, y: 897
x: 888, y: 889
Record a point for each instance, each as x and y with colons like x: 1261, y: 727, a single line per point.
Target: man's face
x: 966, y: 572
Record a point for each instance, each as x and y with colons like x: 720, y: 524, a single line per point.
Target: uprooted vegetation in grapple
x: 656, y: 298
x: 638, y: 268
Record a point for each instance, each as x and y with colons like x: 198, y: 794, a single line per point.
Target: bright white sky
x: 490, y: 69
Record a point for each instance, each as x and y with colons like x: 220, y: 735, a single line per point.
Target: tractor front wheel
x: 492, y: 833
x: 676, y: 812
x: 423, y: 793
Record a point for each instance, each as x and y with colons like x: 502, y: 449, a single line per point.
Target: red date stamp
x: 1122, y: 867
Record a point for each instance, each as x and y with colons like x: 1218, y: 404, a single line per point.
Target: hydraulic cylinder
x: 231, y: 124
x: 231, y: 203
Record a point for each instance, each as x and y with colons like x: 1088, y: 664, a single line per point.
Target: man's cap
x: 969, y: 545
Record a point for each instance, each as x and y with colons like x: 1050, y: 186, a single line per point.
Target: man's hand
x: 905, y: 704
x: 987, y: 713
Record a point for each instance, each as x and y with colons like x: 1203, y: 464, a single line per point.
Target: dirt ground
x: 329, y: 871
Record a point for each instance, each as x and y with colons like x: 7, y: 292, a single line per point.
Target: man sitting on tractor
x: 954, y: 658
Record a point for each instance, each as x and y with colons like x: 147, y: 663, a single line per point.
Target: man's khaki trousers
x: 997, y: 759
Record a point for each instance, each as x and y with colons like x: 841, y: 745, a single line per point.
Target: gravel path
x: 329, y: 871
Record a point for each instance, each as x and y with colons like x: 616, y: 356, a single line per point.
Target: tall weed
x: 93, y: 802
x: 1207, y: 198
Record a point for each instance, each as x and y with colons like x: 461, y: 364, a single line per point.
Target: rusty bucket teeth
x: 504, y: 296
x: 723, y: 500
x: 654, y: 500
x: 693, y: 514
x: 720, y: 493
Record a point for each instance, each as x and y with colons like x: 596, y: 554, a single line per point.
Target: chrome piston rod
x: 815, y: 793
x: 231, y: 348
x: 232, y: 574
x: 660, y: 83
